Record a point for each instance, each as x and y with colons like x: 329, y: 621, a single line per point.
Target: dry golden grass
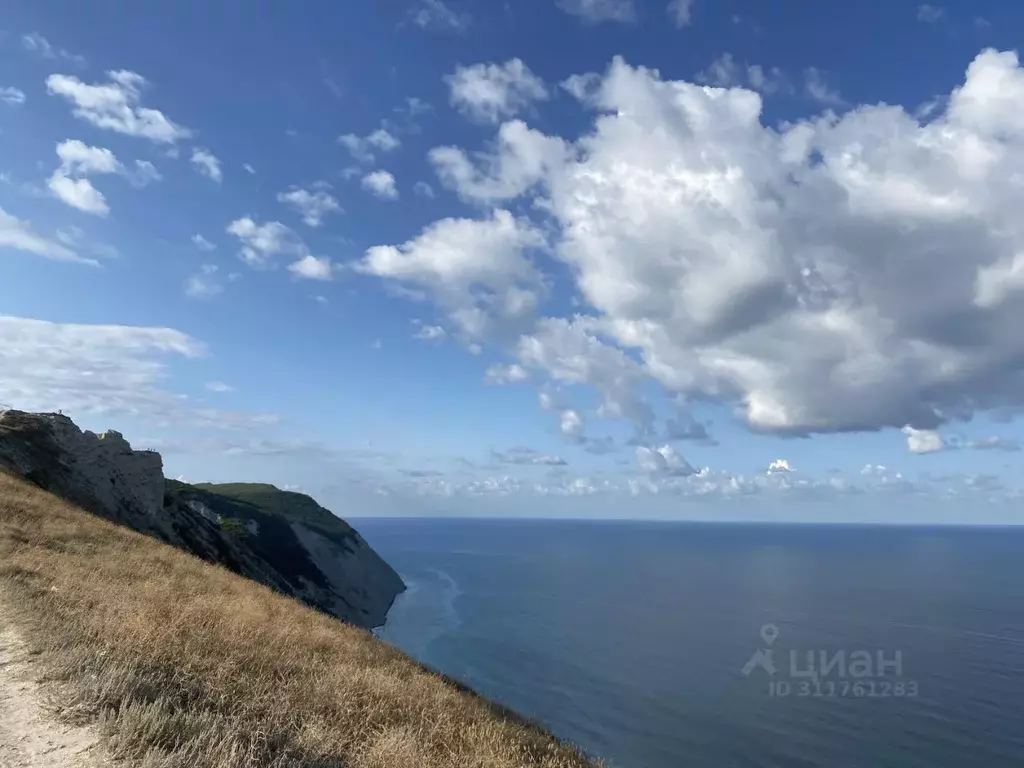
x: 185, y: 664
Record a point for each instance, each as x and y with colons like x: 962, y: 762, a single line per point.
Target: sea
x: 672, y: 645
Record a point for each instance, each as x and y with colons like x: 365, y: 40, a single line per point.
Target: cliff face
x: 321, y: 559
x: 283, y: 540
x: 101, y: 471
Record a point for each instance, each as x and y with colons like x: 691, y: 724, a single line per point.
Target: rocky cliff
x: 284, y: 540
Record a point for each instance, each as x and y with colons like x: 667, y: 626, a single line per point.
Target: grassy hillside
x: 183, y: 663
x: 295, y: 507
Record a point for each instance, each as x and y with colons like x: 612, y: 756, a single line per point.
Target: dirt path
x: 30, y: 737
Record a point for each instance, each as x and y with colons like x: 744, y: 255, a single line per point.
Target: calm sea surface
x: 631, y: 638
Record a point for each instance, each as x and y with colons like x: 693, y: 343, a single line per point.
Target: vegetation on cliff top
x: 238, y: 499
x: 182, y: 663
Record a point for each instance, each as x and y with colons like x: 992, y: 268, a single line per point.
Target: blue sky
x: 632, y: 258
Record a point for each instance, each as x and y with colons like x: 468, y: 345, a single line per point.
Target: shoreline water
x: 630, y: 640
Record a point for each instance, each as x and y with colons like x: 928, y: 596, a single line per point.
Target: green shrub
x: 233, y: 526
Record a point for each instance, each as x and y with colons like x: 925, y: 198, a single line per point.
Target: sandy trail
x: 30, y: 736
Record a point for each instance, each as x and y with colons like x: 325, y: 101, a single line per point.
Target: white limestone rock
x: 362, y: 585
x: 100, y: 470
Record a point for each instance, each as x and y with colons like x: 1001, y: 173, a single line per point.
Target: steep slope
x: 283, y: 540
x: 325, y: 561
x: 180, y: 663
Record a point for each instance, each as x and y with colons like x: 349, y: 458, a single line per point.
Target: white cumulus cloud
x: 505, y: 374
x: 114, y: 105
x: 571, y: 425
x: 206, y: 163
x: 771, y: 269
x: 573, y: 352
x: 778, y: 466
x: 313, y: 267
x: 488, y: 92
x: 430, y: 333
x: 262, y: 244
x: 364, y: 148
x: 313, y: 206
x: 520, y: 159
x: 924, y: 440
x: 69, y: 182
x: 381, y: 184
x: 78, y: 157
x: 78, y: 193
x: 841, y: 272
x: 475, y: 269
x: 12, y: 95
x: 662, y: 460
